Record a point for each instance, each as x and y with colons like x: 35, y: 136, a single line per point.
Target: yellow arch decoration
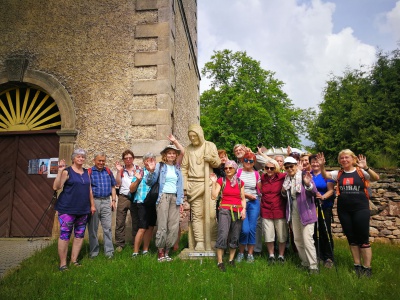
x: 24, y: 109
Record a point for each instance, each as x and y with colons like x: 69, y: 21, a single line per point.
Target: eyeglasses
x: 289, y: 167
x: 250, y: 161
x: 229, y: 168
x: 128, y: 158
x: 269, y: 168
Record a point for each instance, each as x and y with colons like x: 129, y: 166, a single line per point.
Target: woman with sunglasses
x: 252, y: 185
x: 232, y: 211
x: 273, y: 207
x: 300, y: 191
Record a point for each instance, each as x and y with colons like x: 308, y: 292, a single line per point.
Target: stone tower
x: 108, y: 75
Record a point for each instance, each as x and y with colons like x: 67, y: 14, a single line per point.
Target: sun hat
x: 290, y: 160
x: 171, y: 147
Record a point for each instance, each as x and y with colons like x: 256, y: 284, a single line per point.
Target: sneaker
x: 328, y: 263
x: 367, y: 272
x: 161, y: 255
x: 167, y: 258
x: 135, y: 254
x: 110, y: 256
x: 232, y: 263
x: 271, y: 260
x: 119, y: 249
x: 281, y: 259
x: 358, y: 270
x: 250, y: 258
x: 239, y: 257
x: 313, y: 271
x: 221, y: 266
x: 144, y: 253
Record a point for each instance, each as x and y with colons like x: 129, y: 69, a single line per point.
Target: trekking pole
x: 318, y: 250
x: 329, y: 238
x: 53, y: 200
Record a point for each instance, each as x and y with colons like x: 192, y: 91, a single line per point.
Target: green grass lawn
x: 144, y: 278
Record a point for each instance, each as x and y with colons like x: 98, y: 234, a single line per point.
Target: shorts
x: 147, y: 215
x: 270, y: 226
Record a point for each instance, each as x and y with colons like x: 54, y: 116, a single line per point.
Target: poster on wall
x: 53, y: 167
x: 38, y: 166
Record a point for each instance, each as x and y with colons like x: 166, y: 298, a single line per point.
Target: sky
x: 303, y: 42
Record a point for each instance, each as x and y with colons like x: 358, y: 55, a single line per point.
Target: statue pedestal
x: 193, y: 254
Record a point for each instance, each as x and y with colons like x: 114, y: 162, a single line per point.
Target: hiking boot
x: 119, y: 249
x: 358, y: 270
x: 232, y: 263
x: 271, y: 260
x: 328, y: 263
x: 250, y: 258
x: 239, y: 257
x: 367, y: 272
x: 161, y: 255
x: 168, y: 258
x: 221, y: 266
x: 281, y: 260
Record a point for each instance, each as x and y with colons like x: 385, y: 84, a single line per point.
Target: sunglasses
x: 269, y: 168
x: 289, y: 167
x: 250, y: 161
x: 229, y: 168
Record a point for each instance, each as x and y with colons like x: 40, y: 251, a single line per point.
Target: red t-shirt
x: 230, y: 195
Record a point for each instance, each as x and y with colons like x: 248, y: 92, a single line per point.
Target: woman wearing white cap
x: 300, y: 211
x: 170, y: 199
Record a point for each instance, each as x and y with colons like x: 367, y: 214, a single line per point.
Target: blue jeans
x: 248, y: 233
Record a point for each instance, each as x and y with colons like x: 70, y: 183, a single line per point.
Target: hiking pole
x: 53, y: 200
x: 318, y: 250
x: 329, y: 238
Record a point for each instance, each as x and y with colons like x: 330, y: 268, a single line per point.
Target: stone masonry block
x: 164, y: 72
x: 141, y: 147
x: 147, y: 87
x: 164, y: 101
x: 151, y: 117
x: 162, y: 131
x: 146, y: 4
x: 151, y: 58
x: 152, y: 30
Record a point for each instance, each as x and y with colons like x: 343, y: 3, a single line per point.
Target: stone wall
x: 385, y: 209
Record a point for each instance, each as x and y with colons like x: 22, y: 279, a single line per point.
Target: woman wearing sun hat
x: 170, y: 199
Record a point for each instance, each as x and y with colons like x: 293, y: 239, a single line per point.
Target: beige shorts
x: 270, y: 226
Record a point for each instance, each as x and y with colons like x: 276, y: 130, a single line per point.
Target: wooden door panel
x: 33, y: 193
x: 8, y: 151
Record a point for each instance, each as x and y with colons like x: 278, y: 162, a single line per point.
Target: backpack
x: 367, y: 188
x: 107, y: 169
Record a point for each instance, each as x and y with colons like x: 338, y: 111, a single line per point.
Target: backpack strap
x: 337, y: 182
x: 366, y: 182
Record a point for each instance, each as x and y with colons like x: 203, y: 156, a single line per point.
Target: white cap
x: 290, y: 160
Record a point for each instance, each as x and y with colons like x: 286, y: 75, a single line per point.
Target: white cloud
x: 295, y: 40
x: 390, y: 22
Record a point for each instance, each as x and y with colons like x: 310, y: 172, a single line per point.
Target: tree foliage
x: 361, y: 111
x: 246, y: 104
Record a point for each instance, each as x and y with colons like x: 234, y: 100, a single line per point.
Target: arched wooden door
x: 29, y: 120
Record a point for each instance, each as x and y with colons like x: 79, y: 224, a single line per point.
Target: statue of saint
x: 198, y: 161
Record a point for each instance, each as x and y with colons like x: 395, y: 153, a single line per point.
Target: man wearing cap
x: 300, y: 190
x: 199, y: 159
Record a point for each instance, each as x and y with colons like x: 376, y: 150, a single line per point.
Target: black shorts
x: 147, y: 215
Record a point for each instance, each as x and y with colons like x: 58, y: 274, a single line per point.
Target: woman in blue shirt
x: 170, y: 199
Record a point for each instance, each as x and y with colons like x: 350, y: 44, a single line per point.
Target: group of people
x: 292, y: 193
x: 287, y: 194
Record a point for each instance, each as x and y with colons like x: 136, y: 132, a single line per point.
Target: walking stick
x: 318, y: 250
x: 329, y: 237
x: 53, y: 201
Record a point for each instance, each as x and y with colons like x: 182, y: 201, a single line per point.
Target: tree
x: 361, y: 111
x: 246, y: 104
